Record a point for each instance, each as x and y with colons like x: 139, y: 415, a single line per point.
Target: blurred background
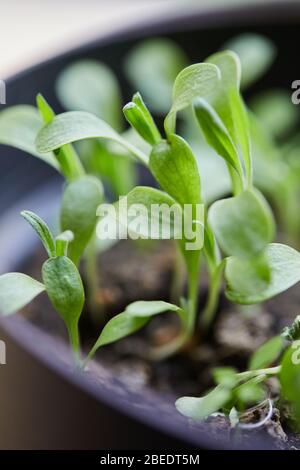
x: 34, y: 30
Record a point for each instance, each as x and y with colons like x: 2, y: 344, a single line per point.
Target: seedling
x: 63, y: 285
x: 236, y: 391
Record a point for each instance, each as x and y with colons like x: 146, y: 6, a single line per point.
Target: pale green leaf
x: 151, y: 214
x: 284, y: 265
x: 106, y: 160
x: 117, y: 328
x: 229, y: 105
x: 243, y: 225
x: 267, y: 353
x: 256, y: 54
x: 248, y: 275
x: 89, y: 85
x: 19, y: 126
x: 152, y: 67
x: 80, y: 201
x: 74, y: 126
x: 216, y: 134
x: 289, y: 377
x: 201, y: 408
x: 16, y: 291
x: 149, y: 308
x: 275, y: 111
x: 65, y: 290
x: 175, y: 168
x: 197, y: 80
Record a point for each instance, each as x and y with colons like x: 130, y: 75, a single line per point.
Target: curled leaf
x: 43, y: 231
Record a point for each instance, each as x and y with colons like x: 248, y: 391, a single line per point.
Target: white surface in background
x: 33, y: 30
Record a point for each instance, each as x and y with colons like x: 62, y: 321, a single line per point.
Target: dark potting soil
x: 131, y: 271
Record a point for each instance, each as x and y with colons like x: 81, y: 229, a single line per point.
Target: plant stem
x: 253, y: 373
x: 193, y: 285
x: 178, y: 278
x: 209, y: 312
x: 236, y: 181
x: 92, y: 279
x: 73, y: 332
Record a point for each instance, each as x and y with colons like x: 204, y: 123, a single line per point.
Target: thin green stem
x: 178, y: 278
x: 193, y: 286
x: 210, y: 309
x: 249, y: 374
x: 73, y: 332
x: 236, y: 181
x: 93, y: 279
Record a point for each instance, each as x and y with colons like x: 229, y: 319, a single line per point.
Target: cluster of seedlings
x: 240, y: 162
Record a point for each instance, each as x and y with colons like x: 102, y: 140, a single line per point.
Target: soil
x: 129, y: 272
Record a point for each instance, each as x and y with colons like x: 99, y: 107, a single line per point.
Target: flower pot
x: 45, y: 404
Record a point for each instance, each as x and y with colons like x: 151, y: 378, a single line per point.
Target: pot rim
x: 21, y: 330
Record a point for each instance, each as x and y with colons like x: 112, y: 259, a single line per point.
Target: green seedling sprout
x: 63, y: 285
x: 236, y: 391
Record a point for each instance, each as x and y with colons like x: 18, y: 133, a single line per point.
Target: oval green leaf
x: 74, y: 126
x: 175, y: 168
x: 201, y: 408
x: 16, y: 291
x: 284, y: 265
x: 152, y: 67
x: 243, y: 225
x: 266, y: 354
x: 65, y: 290
x: 78, y: 213
x: 19, y: 126
x: 89, y: 85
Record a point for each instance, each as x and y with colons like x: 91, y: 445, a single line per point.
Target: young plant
x: 63, y: 285
x: 279, y: 357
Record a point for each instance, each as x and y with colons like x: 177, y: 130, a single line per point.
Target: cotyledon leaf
x: 284, y: 265
x: 65, y: 290
x: 135, y: 316
x: 256, y: 53
x: 174, y: 166
x: 16, y: 291
x: 80, y: 201
x: 152, y: 67
x: 90, y: 85
x: 197, y: 80
x: 74, y: 126
x: 243, y: 225
x: 19, y: 126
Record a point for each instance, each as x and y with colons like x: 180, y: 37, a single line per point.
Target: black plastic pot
x: 44, y: 403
